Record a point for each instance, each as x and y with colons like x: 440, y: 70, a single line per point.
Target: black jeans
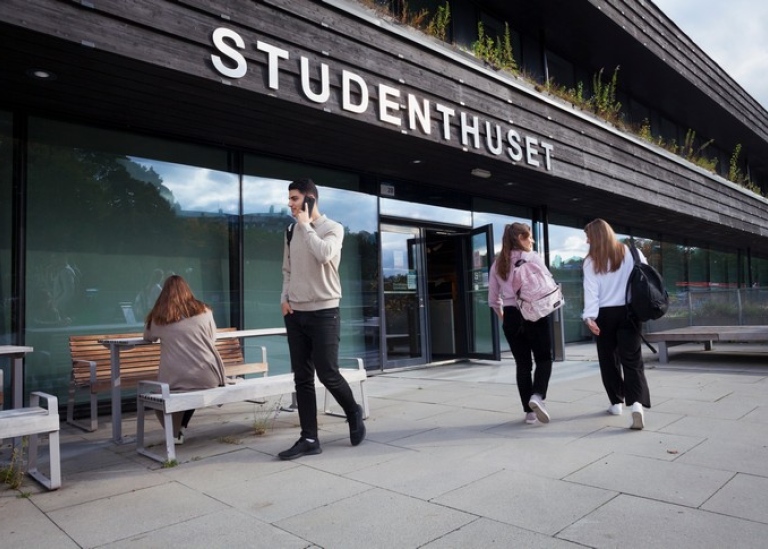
x: 524, y: 338
x: 618, y: 348
x: 313, y: 341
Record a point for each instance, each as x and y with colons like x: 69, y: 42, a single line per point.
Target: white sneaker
x: 638, y: 421
x: 537, y: 405
x: 616, y: 409
x: 530, y: 418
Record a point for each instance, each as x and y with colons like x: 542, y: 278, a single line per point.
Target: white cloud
x: 734, y: 34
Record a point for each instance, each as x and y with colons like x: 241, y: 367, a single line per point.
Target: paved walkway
x: 448, y: 462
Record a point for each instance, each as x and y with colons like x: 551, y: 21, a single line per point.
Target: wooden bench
x: 706, y: 335
x: 33, y: 421
x: 153, y: 395
x: 91, y: 368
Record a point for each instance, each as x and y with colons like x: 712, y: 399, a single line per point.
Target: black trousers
x: 618, y: 350
x: 526, y: 338
x: 313, y: 342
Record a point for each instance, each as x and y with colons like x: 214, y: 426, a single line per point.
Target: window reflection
x: 106, y: 227
x: 266, y: 217
x: 425, y: 212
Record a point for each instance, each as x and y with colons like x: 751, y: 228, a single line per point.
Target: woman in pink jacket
x: 524, y: 337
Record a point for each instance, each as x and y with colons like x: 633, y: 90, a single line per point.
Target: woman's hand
x: 592, y: 325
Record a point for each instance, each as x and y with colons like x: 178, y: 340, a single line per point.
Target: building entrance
x: 434, y: 295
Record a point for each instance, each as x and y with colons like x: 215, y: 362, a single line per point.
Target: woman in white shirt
x: 606, y: 270
x: 524, y: 337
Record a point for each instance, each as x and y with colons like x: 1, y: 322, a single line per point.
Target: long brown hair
x: 175, y: 303
x: 606, y: 251
x: 510, y: 241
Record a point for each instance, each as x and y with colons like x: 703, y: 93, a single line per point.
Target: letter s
x: 220, y: 42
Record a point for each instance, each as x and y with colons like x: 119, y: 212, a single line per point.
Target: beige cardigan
x: 188, y: 356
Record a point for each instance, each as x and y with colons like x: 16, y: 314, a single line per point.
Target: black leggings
x: 526, y: 338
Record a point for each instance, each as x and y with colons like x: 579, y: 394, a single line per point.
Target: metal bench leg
x: 54, y: 481
x: 170, y: 447
x: 140, y: 411
x: 663, y: 353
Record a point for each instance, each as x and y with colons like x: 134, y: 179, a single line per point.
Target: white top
x: 607, y: 289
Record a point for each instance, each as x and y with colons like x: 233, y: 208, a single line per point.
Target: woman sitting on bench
x: 189, y: 360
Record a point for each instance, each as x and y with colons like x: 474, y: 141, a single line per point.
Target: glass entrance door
x: 484, y: 330
x: 404, y: 290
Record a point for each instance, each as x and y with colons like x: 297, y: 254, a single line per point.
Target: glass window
x: 6, y: 240
x: 6, y: 228
x: 567, y: 249
x: 266, y: 216
x: 110, y: 215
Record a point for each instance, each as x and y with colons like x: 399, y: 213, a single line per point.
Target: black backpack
x: 646, y: 297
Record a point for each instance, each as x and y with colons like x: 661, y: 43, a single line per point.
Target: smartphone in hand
x: 309, y: 202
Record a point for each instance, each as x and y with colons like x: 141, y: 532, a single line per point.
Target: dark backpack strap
x: 289, y: 234
x: 638, y: 327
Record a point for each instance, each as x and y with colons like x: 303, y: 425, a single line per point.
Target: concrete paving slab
x: 737, y: 457
x: 230, y: 527
x: 544, y: 458
x: 676, y: 483
x: 743, y: 496
x: 638, y: 523
x: 355, y: 522
x: 287, y: 493
x: 489, y: 533
x: 427, y: 476
x: 526, y: 501
x: 24, y: 525
x: 647, y: 443
x: 745, y: 430
x: 132, y: 513
x: 101, y: 483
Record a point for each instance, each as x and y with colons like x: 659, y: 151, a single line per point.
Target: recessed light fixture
x: 41, y: 74
x: 479, y: 172
x: 415, y: 161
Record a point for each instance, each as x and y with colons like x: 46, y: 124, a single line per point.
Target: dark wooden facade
x: 145, y: 65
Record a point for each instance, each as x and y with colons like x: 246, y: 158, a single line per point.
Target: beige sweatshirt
x: 311, y: 266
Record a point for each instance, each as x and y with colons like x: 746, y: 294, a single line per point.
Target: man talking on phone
x: 310, y: 303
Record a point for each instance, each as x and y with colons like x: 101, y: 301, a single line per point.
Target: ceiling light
x: 41, y: 74
x: 479, y: 172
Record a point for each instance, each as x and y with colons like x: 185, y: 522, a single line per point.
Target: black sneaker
x: 356, y: 426
x: 302, y: 448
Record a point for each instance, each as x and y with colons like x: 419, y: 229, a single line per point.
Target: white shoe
x: 179, y: 440
x: 638, y: 421
x: 616, y: 409
x: 530, y: 418
x: 537, y: 405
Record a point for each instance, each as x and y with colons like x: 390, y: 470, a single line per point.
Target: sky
x: 734, y: 33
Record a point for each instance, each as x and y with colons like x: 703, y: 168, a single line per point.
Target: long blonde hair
x: 606, y: 252
x: 175, y: 303
x: 510, y: 241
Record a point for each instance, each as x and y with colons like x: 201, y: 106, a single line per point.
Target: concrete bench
x: 153, y: 395
x: 91, y: 368
x: 706, y: 335
x: 33, y: 421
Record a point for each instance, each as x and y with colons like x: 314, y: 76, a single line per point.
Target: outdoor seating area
x: 33, y: 421
x: 93, y: 371
x: 153, y: 395
x: 707, y: 335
